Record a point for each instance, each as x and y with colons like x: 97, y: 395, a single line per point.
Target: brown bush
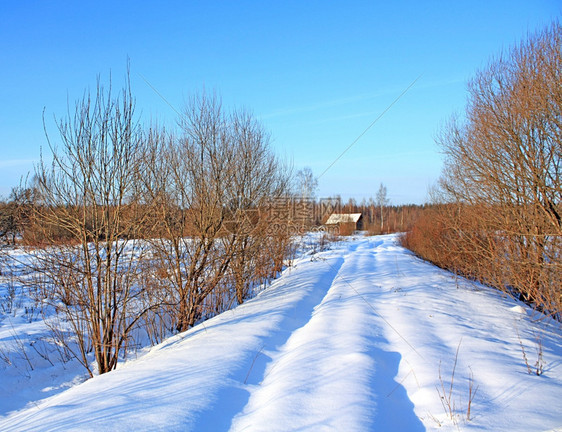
x: 503, y: 178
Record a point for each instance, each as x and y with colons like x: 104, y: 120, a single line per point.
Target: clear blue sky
x: 316, y: 73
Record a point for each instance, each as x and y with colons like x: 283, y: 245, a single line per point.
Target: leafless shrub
x: 21, y: 350
x: 445, y: 390
x: 5, y: 356
x: 208, y: 188
x: 89, y: 196
x: 446, y: 395
x: 538, y: 366
x: 42, y: 350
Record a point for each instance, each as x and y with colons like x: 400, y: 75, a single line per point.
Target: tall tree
x: 382, y: 201
x: 306, y: 183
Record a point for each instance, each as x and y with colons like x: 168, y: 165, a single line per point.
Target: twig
x: 523, y: 351
x: 252, y: 365
x: 445, y: 396
x: 471, y: 393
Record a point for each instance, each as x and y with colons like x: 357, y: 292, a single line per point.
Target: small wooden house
x: 346, y: 223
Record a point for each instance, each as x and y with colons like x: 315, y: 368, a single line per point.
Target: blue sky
x: 316, y: 73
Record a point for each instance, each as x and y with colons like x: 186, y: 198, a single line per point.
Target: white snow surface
x: 355, y: 338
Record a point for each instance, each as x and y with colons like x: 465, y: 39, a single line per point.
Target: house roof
x: 336, y: 218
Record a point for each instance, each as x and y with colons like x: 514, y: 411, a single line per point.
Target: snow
x: 350, y: 339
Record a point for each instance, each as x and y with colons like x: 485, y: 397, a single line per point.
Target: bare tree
x: 89, y: 192
x: 15, y: 213
x: 8, y: 221
x: 259, y: 177
x: 382, y: 201
x: 207, y: 188
x: 185, y: 184
x: 306, y: 183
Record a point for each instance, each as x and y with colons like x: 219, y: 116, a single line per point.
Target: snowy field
x: 362, y: 337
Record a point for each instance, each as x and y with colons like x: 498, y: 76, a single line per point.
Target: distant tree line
x: 498, y: 218
x: 385, y: 218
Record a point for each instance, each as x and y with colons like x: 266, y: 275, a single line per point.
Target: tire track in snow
x: 252, y: 371
x: 342, y: 341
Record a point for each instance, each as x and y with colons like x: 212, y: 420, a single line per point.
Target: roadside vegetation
x: 134, y: 233
x: 498, y: 205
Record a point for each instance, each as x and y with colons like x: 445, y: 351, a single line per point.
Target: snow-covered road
x: 351, y: 339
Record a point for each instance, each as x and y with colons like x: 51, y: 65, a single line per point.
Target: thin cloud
x: 16, y: 162
x: 329, y: 103
x: 345, y: 117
